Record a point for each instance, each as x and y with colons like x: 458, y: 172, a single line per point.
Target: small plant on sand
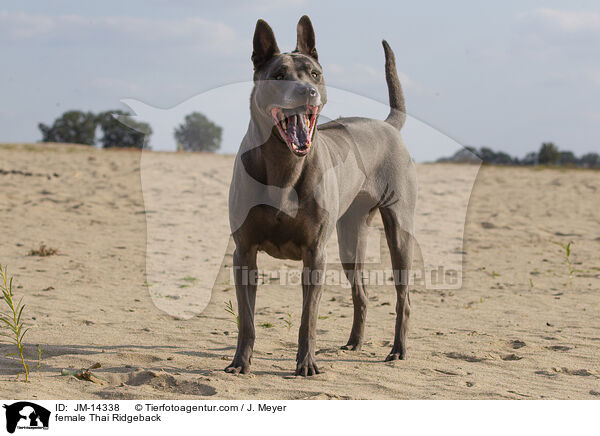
x: 12, y: 322
x: 43, y: 251
x: 39, y: 359
x: 230, y: 310
x: 531, y: 284
x: 266, y: 325
x: 288, y: 321
x: 567, y: 252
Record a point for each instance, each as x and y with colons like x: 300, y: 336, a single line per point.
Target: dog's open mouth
x: 296, y: 126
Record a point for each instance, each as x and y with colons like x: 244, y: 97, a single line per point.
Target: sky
x: 507, y: 75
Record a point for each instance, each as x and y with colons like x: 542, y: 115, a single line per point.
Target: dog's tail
x: 397, y: 115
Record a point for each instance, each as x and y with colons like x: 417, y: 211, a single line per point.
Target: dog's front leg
x: 313, y: 276
x: 246, y: 274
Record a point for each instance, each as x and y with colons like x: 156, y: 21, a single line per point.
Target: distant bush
x: 589, y: 160
x: 198, y: 133
x: 549, y: 154
x: 74, y: 127
x: 116, y: 134
x: 79, y: 127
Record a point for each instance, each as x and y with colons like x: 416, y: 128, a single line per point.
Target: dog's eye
x: 315, y: 74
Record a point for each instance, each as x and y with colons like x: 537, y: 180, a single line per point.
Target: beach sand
x: 517, y: 328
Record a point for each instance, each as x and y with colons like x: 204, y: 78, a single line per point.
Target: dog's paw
x: 396, y: 355
x: 352, y: 345
x: 238, y: 366
x: 307, y: 367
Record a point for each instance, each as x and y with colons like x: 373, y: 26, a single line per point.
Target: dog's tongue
x: 297, y: 130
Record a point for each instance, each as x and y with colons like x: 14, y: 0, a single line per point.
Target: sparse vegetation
x: 39, y: 358
x: 43, y: 251
x: 266, y: 325
x: 567, y: 252
x: 548, y: 154
x: 12, y: 321
x: 230, y: 310
x: 288, y: 321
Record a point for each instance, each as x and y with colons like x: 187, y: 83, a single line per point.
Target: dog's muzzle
x: 296, y: 126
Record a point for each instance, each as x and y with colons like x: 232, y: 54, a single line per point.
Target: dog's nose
x: 307, y: 90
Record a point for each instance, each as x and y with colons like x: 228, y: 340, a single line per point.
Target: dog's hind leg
x: 245, y: 273
x: 352, y: 232
x: 400, y: 242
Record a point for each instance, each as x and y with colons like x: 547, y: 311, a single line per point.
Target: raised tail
x: 397, y: 115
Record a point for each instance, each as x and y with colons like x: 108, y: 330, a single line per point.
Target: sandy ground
x: 517, y: 328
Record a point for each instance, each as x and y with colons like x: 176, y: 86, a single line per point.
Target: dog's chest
x: 283, y: 236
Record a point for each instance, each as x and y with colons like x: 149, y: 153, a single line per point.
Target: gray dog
x: 294, y: 184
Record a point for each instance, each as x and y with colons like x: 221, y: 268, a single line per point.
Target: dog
x: 295, y: 183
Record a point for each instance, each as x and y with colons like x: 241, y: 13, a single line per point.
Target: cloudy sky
x: 506, y: 75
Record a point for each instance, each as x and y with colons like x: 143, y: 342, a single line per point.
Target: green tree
x: 118, y: 131
x: 75, y: 127
x: 530, y: 158
x: 198, y: 133
x: 549, y: 154
x: 567, y: 158
x: 590, y: 160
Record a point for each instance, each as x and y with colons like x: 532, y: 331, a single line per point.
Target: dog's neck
x: 275, y: 164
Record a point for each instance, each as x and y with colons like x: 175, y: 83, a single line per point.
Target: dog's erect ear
x: 306, y: 38
x: 265, y: 46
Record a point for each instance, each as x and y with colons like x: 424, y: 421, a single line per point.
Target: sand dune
x: 517, y: 328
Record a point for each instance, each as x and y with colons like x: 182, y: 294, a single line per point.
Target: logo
x: 26, y: 415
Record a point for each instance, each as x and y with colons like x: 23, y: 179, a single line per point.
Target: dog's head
x: 289, y: 89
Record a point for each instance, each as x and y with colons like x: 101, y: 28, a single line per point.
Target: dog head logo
x: 26, y: 415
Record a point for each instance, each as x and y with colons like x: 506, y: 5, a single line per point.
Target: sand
x: 518, y: 327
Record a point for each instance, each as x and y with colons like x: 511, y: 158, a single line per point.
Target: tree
x: 549, y: 154
x: 590, y: 160
x: 567, y: 158
x: 530, y: 158
x: 496, y: 158
x: 75, y: 127
x: 115, y: 133
x: 198, y: 133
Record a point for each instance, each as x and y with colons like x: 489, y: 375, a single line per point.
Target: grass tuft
x: 12, y: 322
x: 43, y: 251
x: 230, y: 310
x: 567, y: 253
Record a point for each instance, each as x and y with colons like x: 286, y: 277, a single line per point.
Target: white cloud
x: 592, y: 75
x: 24, y: 26
x: 550, y: 34
x: 264, y: 6
x: 115, y: 85
x: 564, y: 21
x: 211, y: 35
x: 361, y: 74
